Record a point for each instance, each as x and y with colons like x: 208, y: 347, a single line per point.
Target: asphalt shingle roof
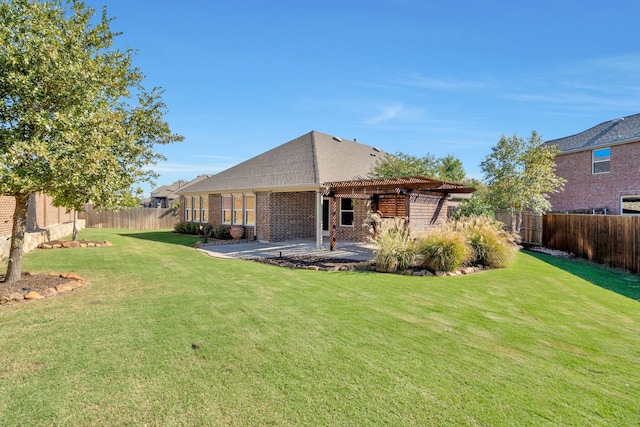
x: 612, y: 132
x: 306, y: 161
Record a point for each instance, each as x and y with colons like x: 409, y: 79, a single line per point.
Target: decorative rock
x: 107, y: 243
x: 46, y: 246
x: 64, y: 287
x: 33, y: 295
x: 54, y: 274
x: 70, y: 244
x: 75, y: 284
x: 73, y: 276
x: 313, y: 267
x: 15, y: 296
x: 49, y: 292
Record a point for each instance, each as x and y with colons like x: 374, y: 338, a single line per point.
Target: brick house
x: 602, y: 169
x: 45, y: 222
x: 287, y: 192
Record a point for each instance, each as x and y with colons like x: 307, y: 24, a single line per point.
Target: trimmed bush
x: 222, y: 232
x: 444, y: 249
x: 187, y: 228
x: 394, y: 247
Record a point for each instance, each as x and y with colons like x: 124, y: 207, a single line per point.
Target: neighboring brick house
x: 602, y: 169
x: 44, y: 222
x: 286, y: 193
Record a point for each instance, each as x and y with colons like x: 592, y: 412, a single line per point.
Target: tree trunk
x: 74, y: 236
x: 14, y: 267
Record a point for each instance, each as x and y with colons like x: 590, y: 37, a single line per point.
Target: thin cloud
x: 393, y: 112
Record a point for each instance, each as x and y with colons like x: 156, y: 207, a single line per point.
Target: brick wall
x: 41, y: 214
x: 291, y: 216
x: 7, y: 206
x: 263, y: 216
x: 357, y: 233
x: 215, y: 209
x: 584, y: 190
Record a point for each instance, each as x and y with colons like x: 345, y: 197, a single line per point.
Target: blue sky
x: 417, y: 76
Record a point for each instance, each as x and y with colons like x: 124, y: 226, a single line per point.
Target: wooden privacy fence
x: 606, y: 239
x: 131, y: 219
x: 531, y: 229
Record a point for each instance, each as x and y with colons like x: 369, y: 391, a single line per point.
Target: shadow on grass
x: 164, y: 237
x: 612, y: 279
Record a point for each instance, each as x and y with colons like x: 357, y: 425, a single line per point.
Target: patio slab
x: 254, y: 250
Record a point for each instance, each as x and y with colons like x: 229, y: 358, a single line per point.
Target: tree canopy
x: 448, y: 168
x: 76, y: 123
x: 520, y: 173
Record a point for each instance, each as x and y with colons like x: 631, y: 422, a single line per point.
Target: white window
x: 194, y: 216
x: 186, y: 209
x: 346, y: 212
x: 238, y: 207
x: 601, y: 160
x: 227, y: 204
x: 249, y: 210
x: 204, y: 207
x: 630, y: 205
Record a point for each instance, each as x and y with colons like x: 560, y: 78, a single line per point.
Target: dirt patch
x: 32, y: 283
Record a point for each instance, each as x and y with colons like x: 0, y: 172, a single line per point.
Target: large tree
x: 520, y: 173
x: 76, y: 122
x: 448, y: 168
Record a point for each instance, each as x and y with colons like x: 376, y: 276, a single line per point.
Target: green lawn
x: 541, y: 343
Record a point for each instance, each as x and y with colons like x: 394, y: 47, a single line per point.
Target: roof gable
x: 304, y: 162
x: 612, y: 132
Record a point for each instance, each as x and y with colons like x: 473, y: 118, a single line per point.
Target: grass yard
x: 546, y: 342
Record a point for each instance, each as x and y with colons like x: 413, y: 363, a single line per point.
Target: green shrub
x: 394, y: 247
x: 492, y: 246
x: 222, y: 232
x: 444, y: 249
x: 187, y: 227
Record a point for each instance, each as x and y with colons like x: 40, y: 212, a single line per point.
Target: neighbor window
x: 601, y: 160
x: 630, y: 205
x: 227, y: 203
x: 186, y: 209
x: 194, y: 217
x: 346, y: 212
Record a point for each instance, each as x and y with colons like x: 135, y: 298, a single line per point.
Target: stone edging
x: 75, y: 282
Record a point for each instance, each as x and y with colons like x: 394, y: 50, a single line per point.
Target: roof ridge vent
x: 335, y: 138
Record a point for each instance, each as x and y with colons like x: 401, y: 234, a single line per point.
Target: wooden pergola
x: 389, y: 195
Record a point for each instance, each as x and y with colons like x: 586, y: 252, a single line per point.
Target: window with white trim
x: 194, y: 216
x: 186, y: 209
x: 227, y: 205
x: 346, y: 212
x: 204, y: 207
x: 238, y: 207
x: 601, y: 160
x: 250, y: 210
x: 630, y: 205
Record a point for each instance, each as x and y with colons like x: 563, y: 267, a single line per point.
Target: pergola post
x: 334, y: 223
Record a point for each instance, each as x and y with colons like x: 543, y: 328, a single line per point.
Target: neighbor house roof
x: 168, y: 190
x: 613, y: 132
x: 303, y: 163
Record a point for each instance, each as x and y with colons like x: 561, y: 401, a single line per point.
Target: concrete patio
x: 252, y: 250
